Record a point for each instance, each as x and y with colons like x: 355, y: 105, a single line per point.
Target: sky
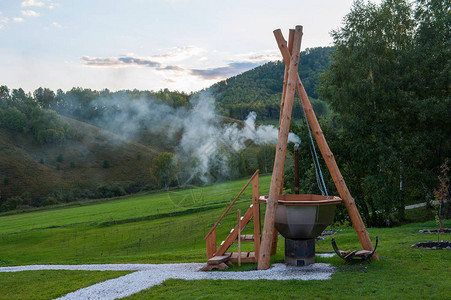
x: 183, y: 45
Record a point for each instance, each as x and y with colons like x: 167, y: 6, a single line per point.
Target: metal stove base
x: 300, y: 252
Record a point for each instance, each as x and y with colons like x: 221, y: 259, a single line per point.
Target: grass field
x: 147, y: 228
x: 170, y: 227
x: 49, y: 284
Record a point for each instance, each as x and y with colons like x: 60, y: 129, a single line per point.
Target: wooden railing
x: 255, y: 207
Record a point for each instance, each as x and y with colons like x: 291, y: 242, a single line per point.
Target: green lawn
x: 49, y: 284
x: 117, y: 231
x: 121, y: 231
x: 402, y: 273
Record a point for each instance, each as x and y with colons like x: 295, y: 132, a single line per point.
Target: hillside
x: 73, y: 168
x: 60, y: 147
x: 260, y: 89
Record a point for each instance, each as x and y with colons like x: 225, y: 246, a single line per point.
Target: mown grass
x: 121, y: 231
x: 402, y: 273
x: 114, y: 232
x: 129, y: 208
x: 49, y: 284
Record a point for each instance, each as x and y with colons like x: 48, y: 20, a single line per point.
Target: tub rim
x: 304, y: 199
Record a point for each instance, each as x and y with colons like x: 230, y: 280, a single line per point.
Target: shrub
x: 106, y: 164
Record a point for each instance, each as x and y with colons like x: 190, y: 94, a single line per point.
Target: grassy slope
x: 34, y: 168
x: 127, y: 230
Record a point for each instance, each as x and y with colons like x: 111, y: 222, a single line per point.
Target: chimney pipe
x: 296, y: 168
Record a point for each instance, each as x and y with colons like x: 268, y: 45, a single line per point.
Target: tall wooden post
x: 239, y: 238
x: 327, y: 154
x: 281, y: 151
x: 256, y: 208
x: 275, y: 235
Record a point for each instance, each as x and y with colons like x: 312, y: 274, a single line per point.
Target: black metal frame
x: 351, y: 257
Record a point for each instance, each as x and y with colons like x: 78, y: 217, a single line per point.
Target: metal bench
x: 354, y: 256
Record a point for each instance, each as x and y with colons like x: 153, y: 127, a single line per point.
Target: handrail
x: 231, y: 204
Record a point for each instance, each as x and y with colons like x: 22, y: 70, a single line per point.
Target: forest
x: 382, y: 93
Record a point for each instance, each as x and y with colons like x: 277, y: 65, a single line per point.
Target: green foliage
x: 21, y: 113
x: 109, y: 191
x: 12, y: 118
x: 392, y: 127
x: 265, y: 157
x: 83, y: 104
x: 164, y: 169
x: 106, y: 164
x: 260, y: 89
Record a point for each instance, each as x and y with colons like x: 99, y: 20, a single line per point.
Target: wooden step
x: 246, y: 238
x: 234, y: 233
x: 245, y: 257
x: 216, y: 260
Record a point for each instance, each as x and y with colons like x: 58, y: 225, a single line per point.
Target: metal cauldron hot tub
x: 300, y: 219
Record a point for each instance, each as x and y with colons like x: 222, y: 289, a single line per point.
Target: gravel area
x: 148, y: 275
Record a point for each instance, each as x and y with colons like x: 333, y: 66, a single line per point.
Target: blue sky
x: 149, y: 45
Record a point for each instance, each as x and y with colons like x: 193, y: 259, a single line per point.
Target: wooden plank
x: 256, y: 213
x: 281, y: 150
x: 211, y: 244
x: 246, y: 238
x: 246, y: 257
x: 239, y: 238
x: 328, y: 156
x: 218, y: 259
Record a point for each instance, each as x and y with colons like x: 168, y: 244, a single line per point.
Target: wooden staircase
x: 217, y: 257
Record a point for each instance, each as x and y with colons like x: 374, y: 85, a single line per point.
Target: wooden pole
x: 239, y: 238
x: 256, y: 208
x: 328, y: 156
x: 281, y: 151
x: 275, y: 235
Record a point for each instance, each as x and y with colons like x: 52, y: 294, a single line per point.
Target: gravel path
x: 148, y: 275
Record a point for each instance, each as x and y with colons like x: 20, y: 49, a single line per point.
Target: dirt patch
x: 445, y: 230
x: 435, y: 245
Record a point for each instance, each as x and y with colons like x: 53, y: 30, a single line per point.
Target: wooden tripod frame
x: 290, y: 54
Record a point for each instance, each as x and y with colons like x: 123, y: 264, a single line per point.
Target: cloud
x: 30, y: 13
x: 57, y: 25
x: 180, y: 53
x: 179, y: 61
x: 172, y: 68
x: 231, y: 69
x: 29, y: 3
x: 122, y: 61
x: 53, y: 5
x: 3, y: 22
x: 18, y: 20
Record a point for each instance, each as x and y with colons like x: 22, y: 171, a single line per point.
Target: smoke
x: 202, y: 141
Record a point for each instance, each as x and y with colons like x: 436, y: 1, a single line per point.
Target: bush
x: 109, y: 191
x: 49, y: 200
x: 106, y: 164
